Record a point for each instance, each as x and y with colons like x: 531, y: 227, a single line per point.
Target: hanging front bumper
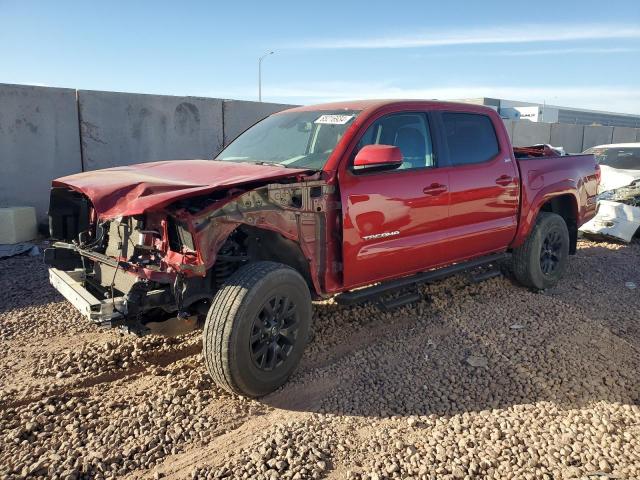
x: 71, y: 285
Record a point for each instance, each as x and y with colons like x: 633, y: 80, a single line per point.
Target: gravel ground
x: 481, y: 380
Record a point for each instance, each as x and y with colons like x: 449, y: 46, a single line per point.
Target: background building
x: 538, y: 112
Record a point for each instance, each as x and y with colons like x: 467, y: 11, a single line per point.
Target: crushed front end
x: 171, y: 260
x: 116, y: 271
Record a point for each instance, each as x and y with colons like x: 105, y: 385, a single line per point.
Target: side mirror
x: 378, y: 156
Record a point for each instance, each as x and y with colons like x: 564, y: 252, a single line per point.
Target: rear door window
x: 470, y: 137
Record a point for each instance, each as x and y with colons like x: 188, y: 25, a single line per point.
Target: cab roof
x: 368, y: 105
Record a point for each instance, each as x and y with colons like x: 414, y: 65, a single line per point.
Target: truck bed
x: 536, y: 151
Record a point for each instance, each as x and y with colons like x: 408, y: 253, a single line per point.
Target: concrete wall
x: 624, y: 134
x: 596, y: 136
x: 240, y: 115
x: 567, y: 136
x: 47, y: 133
x: 508, y: 124
x: 39, y: 141
x: 125, y: 128
x: 573, y: 138
x: 530, y: 133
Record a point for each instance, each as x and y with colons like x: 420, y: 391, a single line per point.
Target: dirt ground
x: 481, y: 380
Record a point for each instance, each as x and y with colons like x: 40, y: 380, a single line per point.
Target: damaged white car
x: 618, y: 213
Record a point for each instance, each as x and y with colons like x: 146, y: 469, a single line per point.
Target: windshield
x: 624, y: 158
x: 295, y: 139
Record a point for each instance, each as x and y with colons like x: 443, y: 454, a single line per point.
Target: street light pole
x: 260, y: 74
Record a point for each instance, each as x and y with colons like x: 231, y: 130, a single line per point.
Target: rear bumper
x: 71, y: 285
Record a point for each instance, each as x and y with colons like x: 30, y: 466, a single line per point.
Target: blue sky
x: 581, y: 54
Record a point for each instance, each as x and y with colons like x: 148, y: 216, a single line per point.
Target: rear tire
x: 542, y: 259
x: 257, y: 328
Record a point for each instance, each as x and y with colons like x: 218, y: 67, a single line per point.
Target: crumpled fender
x: 297, y: 211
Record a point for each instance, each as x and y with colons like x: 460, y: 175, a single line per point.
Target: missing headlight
x: 179, y: 236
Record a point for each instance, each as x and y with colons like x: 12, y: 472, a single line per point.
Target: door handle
x: 504, y: 180
x: 435, y: 189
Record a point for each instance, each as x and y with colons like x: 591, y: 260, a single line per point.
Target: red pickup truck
x: 354, y: 199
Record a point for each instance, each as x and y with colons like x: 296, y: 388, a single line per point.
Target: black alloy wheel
x: 257, y: 328
x: 273, y: 333
x: 542, y: 259
x: 551, y: 252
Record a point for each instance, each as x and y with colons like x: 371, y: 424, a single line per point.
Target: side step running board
x: 481, y: 277
x: 372, y: 293
x: 397, y: 302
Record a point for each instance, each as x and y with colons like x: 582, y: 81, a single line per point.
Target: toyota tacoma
x: 353, y: 200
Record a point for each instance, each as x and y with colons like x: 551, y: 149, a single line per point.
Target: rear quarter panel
x: 545, y: 178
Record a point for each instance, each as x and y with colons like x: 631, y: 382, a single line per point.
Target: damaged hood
x: 134, y: 189
x: 614, y: 178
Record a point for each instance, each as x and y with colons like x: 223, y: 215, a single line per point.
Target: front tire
x: 542, y: 259
x: 257, y: 328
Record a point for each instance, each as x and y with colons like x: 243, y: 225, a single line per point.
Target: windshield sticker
x: 333, y: 119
